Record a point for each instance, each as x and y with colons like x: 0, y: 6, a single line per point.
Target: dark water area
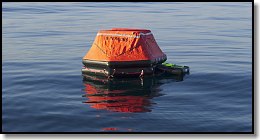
x: 43, y: 89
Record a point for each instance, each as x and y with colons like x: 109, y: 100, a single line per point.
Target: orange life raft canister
x: 123, y: 52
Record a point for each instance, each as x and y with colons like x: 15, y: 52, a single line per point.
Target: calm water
x: 43, y: 90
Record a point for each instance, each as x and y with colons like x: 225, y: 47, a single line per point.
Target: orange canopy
x: 124, y: 44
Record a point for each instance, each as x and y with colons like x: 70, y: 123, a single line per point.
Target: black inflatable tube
x: 122, y: 64
x: 118, y: 72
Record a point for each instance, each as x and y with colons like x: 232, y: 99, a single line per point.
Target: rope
x: 141, y: 74
x: 109, y: 76
x: 113, y: 73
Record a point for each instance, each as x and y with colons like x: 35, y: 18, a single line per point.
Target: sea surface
x: 43, y: 89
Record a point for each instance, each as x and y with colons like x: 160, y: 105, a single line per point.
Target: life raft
x: 124, y: 52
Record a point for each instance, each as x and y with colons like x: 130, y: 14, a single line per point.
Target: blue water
x: 43, y: 90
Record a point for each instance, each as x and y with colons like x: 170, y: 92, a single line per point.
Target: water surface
x: 43, y: 90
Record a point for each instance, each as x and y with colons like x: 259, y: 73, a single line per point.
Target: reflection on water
x: 123, y: 95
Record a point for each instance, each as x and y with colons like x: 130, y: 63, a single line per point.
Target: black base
x: 135, y: 71
x: 119, y: 72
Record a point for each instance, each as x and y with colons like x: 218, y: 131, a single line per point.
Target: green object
x: 172, y: 65
x: 173, y: 68
x: 168, y: 64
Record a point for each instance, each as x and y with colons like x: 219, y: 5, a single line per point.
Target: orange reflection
x: 121, y: 95
x: 116, y: 129
x: 110, y: 129
x: 117, y: 103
